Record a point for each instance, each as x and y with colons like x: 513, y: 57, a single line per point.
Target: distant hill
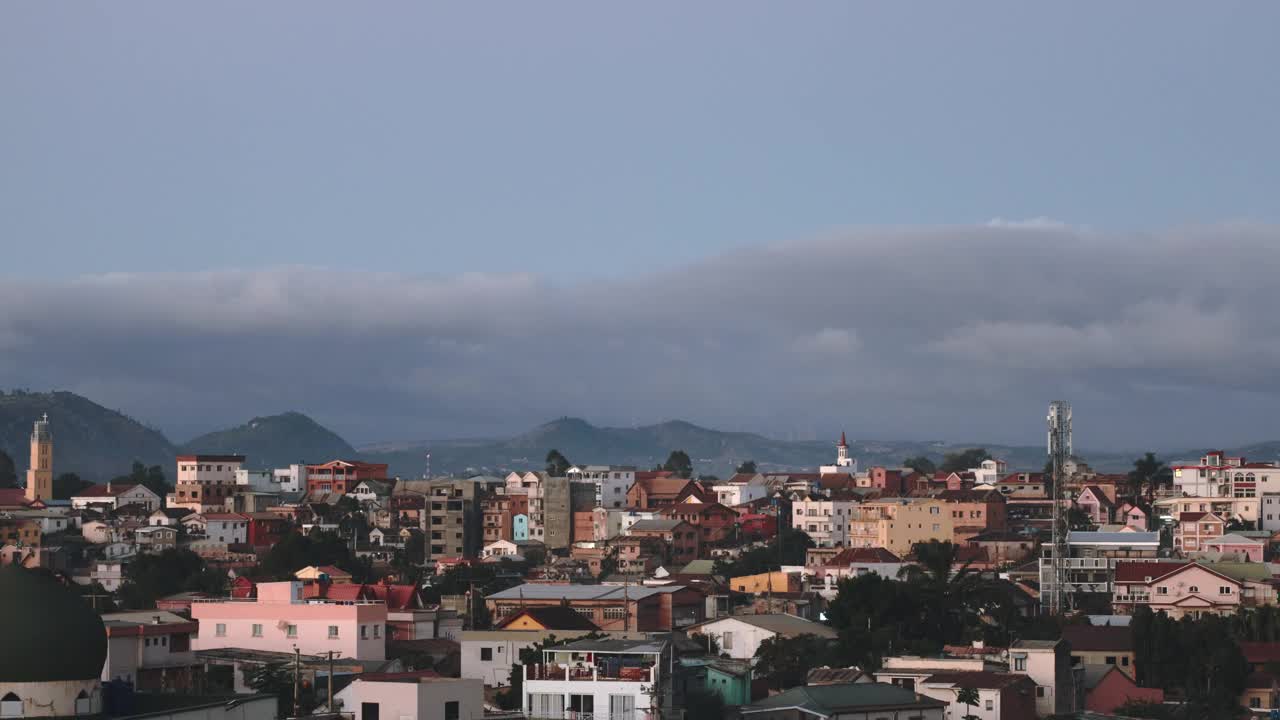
x: 713, y: 451
x: 90, y: 440
x: 275, y: 441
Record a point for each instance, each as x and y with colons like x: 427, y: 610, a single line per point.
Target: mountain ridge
x: 99, y: 443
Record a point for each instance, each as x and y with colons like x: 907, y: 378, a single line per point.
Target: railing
x: 587, y: 673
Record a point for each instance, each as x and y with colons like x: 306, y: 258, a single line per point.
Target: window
x: 364, y: 632
x: 991, y: 705
x: 368, y: 711
x: 333, y: 631
x: 726, y: 640
x: 220, y: 629
x: 585, y: 611
x: 377, y: 631
x: 1224, y: 590
x: 1124, y: 660
x: 486, y: 654
x: 1255, y: 702
x: 451, y: 710
x: 1040, y: 691
x: 614, y: 613
x: 10, y: 706
x: 291, y: 631
x: 1109, y: 660
x: 1019, y: 663
x: 1162, y: 590
x: 257, y: 630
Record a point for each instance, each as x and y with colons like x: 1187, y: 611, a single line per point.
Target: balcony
x: 588, y: 673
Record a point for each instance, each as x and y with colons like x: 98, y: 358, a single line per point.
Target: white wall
x: 746, y: 638
x: 419, y: 701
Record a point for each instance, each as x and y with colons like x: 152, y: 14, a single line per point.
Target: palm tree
x: 969, y: 698
x: 1148, y: 473
x: 952, y: 600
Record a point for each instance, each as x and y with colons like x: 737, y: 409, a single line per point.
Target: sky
x: 419, y: 221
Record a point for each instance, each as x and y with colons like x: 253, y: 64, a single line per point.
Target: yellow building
x: 40, y: 471
x: 766, y: 582
x: 897, y: 524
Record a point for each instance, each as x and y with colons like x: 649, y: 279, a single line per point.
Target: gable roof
x: 978, y: 679
x: 102, y: 491
x: 656, y: 525
x: 780, y: 624
x: 552, y: 617
x: 1098, y: 495
x: 849, y: 556
x: 1233, y: 539
x: 1167, y: 571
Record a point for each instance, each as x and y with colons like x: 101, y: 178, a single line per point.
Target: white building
x: 825, y: 521
x: 392, y: 696
x: 487, y: 655
x: 291, y: 479
x: 844, y: 463
x: 617, y: 679
x: 740, y: 636
x: 611, y: 481
x: 144, y: 647
x: 1220, y: 476
x: 229, y: 528
x: 609, y: 523
x: 208, y: 469
x: 737, y: 493
x: 115, y: 495
x: 989, y: 472
x: 257, y: 480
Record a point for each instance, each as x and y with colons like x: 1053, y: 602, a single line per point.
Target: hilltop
x: 93, y: 441
x: 275, y: 441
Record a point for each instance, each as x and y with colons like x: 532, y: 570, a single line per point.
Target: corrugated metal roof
x: 546, y: 591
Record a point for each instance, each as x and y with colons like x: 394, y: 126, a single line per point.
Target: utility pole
x: 1059, y: 421
x: 297, y: 681
x: 332, y: 710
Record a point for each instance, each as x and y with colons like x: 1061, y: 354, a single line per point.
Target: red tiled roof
x: 1190, y: 516
x: 1128, y: 572
x: 397, y: 597
x: 13, y: 497
x: 849, y: 556
x: 100, y: 490
x: 337, y: 591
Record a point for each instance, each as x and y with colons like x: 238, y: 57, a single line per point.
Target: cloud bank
x: 962, y: 333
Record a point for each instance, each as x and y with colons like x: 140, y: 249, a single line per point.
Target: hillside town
x: 968, y: 589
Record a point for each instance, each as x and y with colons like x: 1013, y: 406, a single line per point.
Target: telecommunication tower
x: 1059, y: 453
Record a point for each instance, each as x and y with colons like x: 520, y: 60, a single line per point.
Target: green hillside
x: 275, y: 441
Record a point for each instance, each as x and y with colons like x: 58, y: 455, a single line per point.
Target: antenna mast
x: 1059, y: 453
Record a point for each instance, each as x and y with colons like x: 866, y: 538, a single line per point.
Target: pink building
x: 1245, y: 549
x: 1180, y: 589
x: 1094, y: 501
x: 1132, y: 516
x: 280, y: 619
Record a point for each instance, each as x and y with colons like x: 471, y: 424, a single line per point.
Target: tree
x: 1078, y: 519
x: 1148, y: 473
x: 151, y: 477
x: 8, y: 471
x: 785, y: 661
x: 707, y: 642
x: 297, y: 551
x: 67, y: 485
x: 968, y: 697
x: 150, y: 577
x: 920, y: 464
x: 679, y: 464
x: 964, y: 460
x: 557, y: 464
x: 748, y: 467
x: 704, y: 703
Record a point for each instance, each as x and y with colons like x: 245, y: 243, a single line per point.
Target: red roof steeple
x: 842, y: 440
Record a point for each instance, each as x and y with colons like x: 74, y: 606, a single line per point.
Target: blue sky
x: 416, y: 221
x: 585, y: 138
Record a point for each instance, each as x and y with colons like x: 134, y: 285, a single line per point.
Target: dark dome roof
x: 48, y: 631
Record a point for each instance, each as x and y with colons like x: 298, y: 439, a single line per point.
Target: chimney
x: 108, y: 487
x: 155, y: 619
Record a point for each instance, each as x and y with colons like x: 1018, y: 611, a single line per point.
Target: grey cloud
x: 955, y: 332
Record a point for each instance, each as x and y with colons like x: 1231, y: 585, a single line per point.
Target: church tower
x: 40, y: 471
x: 842, y: 453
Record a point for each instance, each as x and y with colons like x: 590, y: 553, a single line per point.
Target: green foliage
x: 785, y: 662
x: 1140, y: 709
x: 703, y: 704
x: 679, y: 464
x: 1078, y: 519
x: 1147, y: 475
x: 68, y: 484
x: 968, y: 697
x: 149, y: 577
x: 275, y: 441
x: 748, y: 466
x: 927, y: 607
x: 8, y: 471
x: 789, y: 549
x: 297, y: 551
x: 963, y: 460
x: 920, y: 464
x: 151, y: 477
x: 557, y: 464
x: 1199, y: 658
x: 706, y: 643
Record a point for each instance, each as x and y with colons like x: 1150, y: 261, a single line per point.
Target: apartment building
x: 1090, y: 567
x: 450, y: 518
x: 974, y: 512
x: 341, y: 476
x: 897, y: 524
x: 1180, y: 589
x: 617, y: 679
x: 151, y: 650
x: 610, y: 483
x: 204, y: 482
x: 824, y: 520
x: 280, y: 619
x: 1219, y: 475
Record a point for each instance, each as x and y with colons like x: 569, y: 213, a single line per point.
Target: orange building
x: 339, y: 476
